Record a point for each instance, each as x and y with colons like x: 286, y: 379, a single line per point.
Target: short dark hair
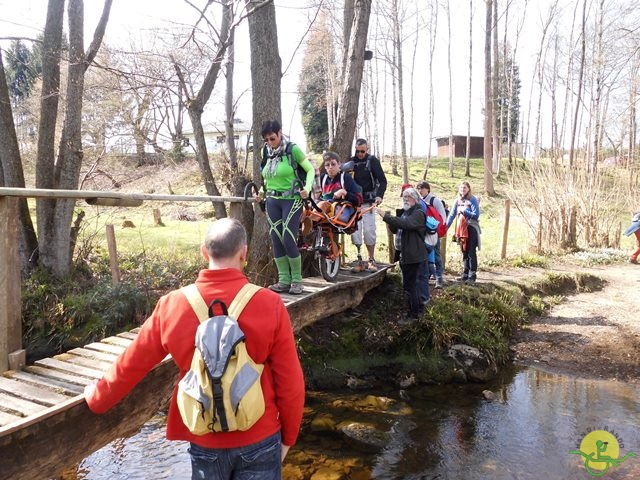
x: 224, y: 238
x: 423, y: 184
x: 361, y: 141
x: 270, y: 126
x: 330, y: 156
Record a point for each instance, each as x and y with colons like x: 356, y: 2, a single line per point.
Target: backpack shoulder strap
x: 200, y: 307
x: 431, y: 200
x: 242, y: 298
x: 196, y: 301
x: 288, y: 152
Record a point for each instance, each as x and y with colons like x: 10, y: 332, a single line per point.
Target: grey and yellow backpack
x: 221, y: 392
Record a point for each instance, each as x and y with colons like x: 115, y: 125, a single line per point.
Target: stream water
x: 524, y: 430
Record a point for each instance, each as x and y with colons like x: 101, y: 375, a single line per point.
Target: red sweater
x: 171, y: 328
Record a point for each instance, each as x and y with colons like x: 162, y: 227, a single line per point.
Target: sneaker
x: 359, y: 267
x: 373, y: 267
x: 296, y: 288
x: 633, y: 260
x: 439, y: 283
x: 470, y: 280
x: 279, y: 287
x: 462, y: 278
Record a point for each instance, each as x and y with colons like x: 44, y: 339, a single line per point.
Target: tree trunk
x: 488, y: 114
x: 467, y: 154
x: 228, y: 106
x: 49, y: 98
x: 266, y: 75
x: 67, y: 169
x: 578, y: 104
x: 433, y: 30
x: 449, y: 69
x: 397, y: 43
x: 11, y: 175
x: 56, y: 239
x: 352, y: 80
x: 497, y: 133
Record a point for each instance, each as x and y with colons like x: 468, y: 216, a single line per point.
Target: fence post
x: 505, y: 231
x: 12, y: 356
x: 113, y: 255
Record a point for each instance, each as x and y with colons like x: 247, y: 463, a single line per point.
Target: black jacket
x: 372, y: 180
x: 412, y: 224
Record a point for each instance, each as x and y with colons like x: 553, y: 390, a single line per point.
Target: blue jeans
x: 258, y: 461
x: 423, y: 282
x: 439, y: 269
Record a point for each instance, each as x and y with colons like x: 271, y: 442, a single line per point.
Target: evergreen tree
x: 315, y: 89
x: 23, y: 68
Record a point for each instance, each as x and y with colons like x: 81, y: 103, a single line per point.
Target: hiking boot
x: 359, y: 267
x: 470, y: 279
x: 279, y: 287
x: 296, y: 288
x: 462, y: 278
x: 373, y: 266
x: 439, y: 283
x: 633, y: 260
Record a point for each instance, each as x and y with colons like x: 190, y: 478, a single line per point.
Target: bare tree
x: 467, y: 158
x: 488, y: 113
x: 450, y: 70
x: 352, y: 80
x: 266, y: 75
x: 55, y: 233
x: 195, y: 105
x: 433, y: 30
x: 397, y: 44
x: 583, y: 42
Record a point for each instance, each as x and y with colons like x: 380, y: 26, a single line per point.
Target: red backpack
x: 433, y: 212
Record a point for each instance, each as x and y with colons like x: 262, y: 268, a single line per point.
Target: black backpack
x: 300, y: 173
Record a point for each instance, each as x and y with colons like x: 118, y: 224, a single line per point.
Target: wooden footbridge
x: 45, y: 424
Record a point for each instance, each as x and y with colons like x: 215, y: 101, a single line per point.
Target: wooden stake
x: 113, y: 255
x: 157, y: 219
x: 505, y: 231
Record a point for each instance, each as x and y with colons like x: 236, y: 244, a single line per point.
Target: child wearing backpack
x: 340, y: 193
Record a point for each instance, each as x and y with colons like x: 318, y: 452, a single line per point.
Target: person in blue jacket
x: 465, y: 210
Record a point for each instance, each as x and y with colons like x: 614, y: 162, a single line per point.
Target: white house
x: 215, y: 136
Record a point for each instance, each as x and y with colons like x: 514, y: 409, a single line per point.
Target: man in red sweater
x: 171, y: 328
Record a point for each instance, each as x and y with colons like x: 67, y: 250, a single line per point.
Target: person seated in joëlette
x: 340, y: 193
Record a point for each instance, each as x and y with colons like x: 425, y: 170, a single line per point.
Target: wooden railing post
x: 505, y: 231
x: 11, y: 354
x: 113, y: 255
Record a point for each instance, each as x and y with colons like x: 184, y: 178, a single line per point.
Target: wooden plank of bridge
x: 10, y: 299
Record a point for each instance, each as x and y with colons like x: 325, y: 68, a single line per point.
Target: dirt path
x: 589, y: 335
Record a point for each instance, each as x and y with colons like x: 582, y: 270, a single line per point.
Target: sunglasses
x: 361, y: 151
